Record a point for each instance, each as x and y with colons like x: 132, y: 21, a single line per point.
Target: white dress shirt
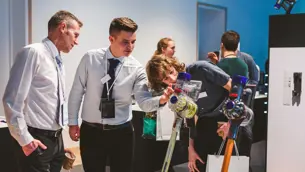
x: 131, y: 79
x: 31, y: 95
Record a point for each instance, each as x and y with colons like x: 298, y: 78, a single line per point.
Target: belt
x: 107, y: 126
x: 48, y: 133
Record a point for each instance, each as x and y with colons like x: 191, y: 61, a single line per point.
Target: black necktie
x: 113, y: 64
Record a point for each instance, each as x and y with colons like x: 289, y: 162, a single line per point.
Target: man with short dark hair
x: 230, y: 63
x: 253, y: 71
x: 107, y: 78
x: 35, y: 96
x: 233, y: 65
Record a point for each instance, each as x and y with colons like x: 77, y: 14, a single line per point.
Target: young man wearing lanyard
x: 107, y: 78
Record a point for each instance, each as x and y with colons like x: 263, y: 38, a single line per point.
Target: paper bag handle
x: 221, y: 147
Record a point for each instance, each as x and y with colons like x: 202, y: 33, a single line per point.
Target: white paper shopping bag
x: 165, y: 121
x: 237, y: 163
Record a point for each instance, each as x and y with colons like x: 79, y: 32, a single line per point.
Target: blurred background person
x: 166, y: 46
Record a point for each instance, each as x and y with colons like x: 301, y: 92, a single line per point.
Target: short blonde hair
x: 156, y: 70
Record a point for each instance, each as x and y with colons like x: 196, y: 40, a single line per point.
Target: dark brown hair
x: 122, y: 24
x: 162, y: 44
x: 230, y: 40
x: 156, y: 70
x: 61, y: 16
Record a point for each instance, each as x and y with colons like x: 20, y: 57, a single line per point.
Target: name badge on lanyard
x: 107, y: 105
x: 105, y: 79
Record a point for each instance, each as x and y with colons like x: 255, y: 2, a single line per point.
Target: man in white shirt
x: 34, y: 97
x: 107, y: 78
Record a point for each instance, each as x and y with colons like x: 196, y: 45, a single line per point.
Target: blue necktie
x: 60, y: 115
x: 58, y: 61
x: 113, y: 64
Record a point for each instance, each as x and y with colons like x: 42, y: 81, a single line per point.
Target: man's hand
x: 213, y: 57
x: 67, y: 150
x: 166, y: 95
x: 30, y: 148
x: 193, y: 157
x: 74, y: 132
x: 68, y: 164
x: 223, y: 131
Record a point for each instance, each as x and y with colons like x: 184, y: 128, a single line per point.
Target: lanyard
x: 116, y: 77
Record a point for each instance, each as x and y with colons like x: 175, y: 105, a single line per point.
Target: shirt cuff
x: 25, y: 138
x: 72, y: 121
x: 162, y: 105
x: 156, y: 103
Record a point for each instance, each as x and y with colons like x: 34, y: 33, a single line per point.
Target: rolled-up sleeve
x: 143, y: 97
x: 18, y: 86
x: 78, y: 90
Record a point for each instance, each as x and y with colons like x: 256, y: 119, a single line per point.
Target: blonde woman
x: 167, y: 47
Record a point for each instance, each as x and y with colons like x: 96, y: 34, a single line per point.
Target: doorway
x: 211, y: 24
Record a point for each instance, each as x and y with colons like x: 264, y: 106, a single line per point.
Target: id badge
x: 107, y: 107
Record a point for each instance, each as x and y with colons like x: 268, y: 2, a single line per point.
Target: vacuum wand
x: 184, y: 106
x: 234, y: 110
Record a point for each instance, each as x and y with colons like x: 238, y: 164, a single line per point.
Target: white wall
x: 4, y: 47
x: 286, y: 136
x: 19, y: 25
x: 156, y: 19
x: 13, y: 36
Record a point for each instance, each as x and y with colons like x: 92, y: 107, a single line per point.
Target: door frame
x: 200, y: 5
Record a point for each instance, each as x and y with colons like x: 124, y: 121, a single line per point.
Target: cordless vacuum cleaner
x: 184, y: 106
x: 234, y: 110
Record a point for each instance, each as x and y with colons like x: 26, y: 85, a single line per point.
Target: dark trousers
x: 98, y: 145
x: 153, y: 155
x: 208, y: 142
x: 50, y: 161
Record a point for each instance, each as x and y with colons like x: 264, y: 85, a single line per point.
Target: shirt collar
x: 51, y: 46
x: 110, y: 56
